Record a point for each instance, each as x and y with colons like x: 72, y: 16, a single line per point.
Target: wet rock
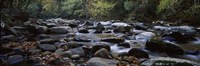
x: 108, y: 23
x: 95, y: 61
x: 138, y: 53
x: 48, y: 41
x: 107, y: 31
x: 98, y: 47
x: 41, y: 29
x: 126, y: 45
x: 168, y: 38
x: 139, y: 26
x: 192, y: 52
x: 113, y: 40
x: 34, y: 50
x: 145, y: 36
x: 59, y: 51
x: 179, y: 37
x: 39, y: 64
x: 73, y: 24
x: 59, y: 30
x: 15, y: 59
x: 43, y: 36
x: 103, y: 53
x: 160, y: 61
x: 81, y: 39
x: 120, y: 24
x: 50, y: 25
x: 67, y: 54
x: 83, y: 31
x: 99, y: 28
x: 75, y: 57
x: 47, y: 47
x: 122, y: 29
x: 160, y: 46
x: 88, y: 23
x: 8, y: 38
x: 78, y: 51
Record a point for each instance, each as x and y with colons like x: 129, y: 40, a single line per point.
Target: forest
x: 126, y: 10
x: 100, y: 32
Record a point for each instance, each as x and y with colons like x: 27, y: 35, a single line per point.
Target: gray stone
x: 15, y: 59
x: 96, y: 61
x: 59, y: 30
x: 78, y: 51
x: 103, y: 53
x: 67, y: 54
x: 47, y: 47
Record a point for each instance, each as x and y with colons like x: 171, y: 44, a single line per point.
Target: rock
x: 126, y: 45
x: 103, y: 53
x: 34, y: 50
x: 122, y: 29
x: 113, y: 40
x: 8, y: 38
x: 138, y: 53
x: 67, y: 54
x: 39, y: 64
x: 59, y: 30
x: 88, y: 23
x: 83, y: 31
x: 120, y: 24
x: 15, y: 59
x: 99, y: 28
x: 168, y: 38
x: 75, y: 57
x: 78, y: 51
x: 50, y: 25
x: 73, y: 24
x: 59, y: 51
x: 160, y: 46
x: 98, y: 47
x: 145, y: 36
x: 95, y: 61
x: 47, y: 47
x: 108, y: 23
x: 192, y: 52
x: 167, y: 61
x: 139, y: 26
x: 48, y: 41
x: 179, y: 37
x: 43, y: 36
x: 41, y: 29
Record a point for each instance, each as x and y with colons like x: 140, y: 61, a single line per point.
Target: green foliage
x: 128, y: 5
x: 105, y: 9
x: 100, y: 8
x: 73, y: 7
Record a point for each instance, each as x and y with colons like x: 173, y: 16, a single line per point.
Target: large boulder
x: 98, y: 47
x: 47, y: 47
x: 113, y: 40
x: 59, y: 30
x: 167, y: 61
x: 96, y: 61
x: 138, y: 53
x: 15, y: 59
x: 178, y: 37
x: 160, y: 46
x: 78, y: 51
x: 83, y: 30
x: 99, y: 28
x: 122, y: 29
x: 119, y: 24
x: 103, y: 53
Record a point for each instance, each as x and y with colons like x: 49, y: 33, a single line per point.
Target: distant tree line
x: 129, y: 10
